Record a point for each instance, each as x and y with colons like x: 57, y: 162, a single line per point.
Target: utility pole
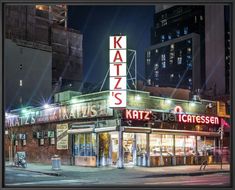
x: 221, y: 132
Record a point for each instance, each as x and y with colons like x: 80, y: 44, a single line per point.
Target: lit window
x: 149, y: 81
x: 156, y: 66
x: 172, y: 46
x: 163, y: 64
x: 189, y: 50
x: 179, y: 60
x: 163, y: 57
x: 148, y: 54
x: 164, y: 22
x: 185, y: 30
x: 21, y: 83
x: 172, y: 75
x: 156, y: 50
x: 178, y: 33
x: 189, y: 41
x: 148, y: 61
x: 163, y: 38
x: 169, y: 37
x: 156, y: 73
x: 201, y: 17
x: 189, y: 57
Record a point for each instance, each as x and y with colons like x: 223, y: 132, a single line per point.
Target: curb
x: 46, y: 173
x: 186, y: 174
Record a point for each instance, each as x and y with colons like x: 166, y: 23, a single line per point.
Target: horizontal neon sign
x: 138, y: 115
x: 147, y: 115
x: 199, y: 119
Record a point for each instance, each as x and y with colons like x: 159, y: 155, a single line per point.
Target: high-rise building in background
x: 42, y: 30
x: 202, y: 64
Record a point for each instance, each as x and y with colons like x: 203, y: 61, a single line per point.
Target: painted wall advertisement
x: 62, y: 136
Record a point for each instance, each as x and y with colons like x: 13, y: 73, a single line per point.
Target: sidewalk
x: 170, y: 171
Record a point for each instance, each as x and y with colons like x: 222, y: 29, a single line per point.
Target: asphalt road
x: 19, y: 178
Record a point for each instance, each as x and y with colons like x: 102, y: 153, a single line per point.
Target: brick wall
x: 34, y: 151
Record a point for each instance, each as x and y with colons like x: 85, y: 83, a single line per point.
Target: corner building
x: 150, y: 131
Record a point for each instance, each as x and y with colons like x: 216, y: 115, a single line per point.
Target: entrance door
x: 128, y: 142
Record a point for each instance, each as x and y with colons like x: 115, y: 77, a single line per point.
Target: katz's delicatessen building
x: 151, y: 131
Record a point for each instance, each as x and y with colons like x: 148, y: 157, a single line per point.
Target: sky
x: 97, y: 23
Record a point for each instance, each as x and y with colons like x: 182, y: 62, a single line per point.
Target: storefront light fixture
x: 25, y: 111
x: 168, y: 101
x: 74, y: 101
x: 137, y: 97
x: 46, y: 106
x: 192, y: 104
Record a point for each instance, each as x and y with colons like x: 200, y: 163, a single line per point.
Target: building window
x: 156, y: 66
x: 156, y: 74
x: 148, y: 61
x: 149, y: 81
x: 195, y: 19
x: 179, y: 60
x: 172, y: 76
x: 201, y: 17
x: 172, y: 46
x: 185, y: 30
x: 189, y: 41
x: 189, y: 50
x: 163, y: 38
x: 156, y: 50
x: 178, y: 33
x: 163, y: 64
x: 21, y: 83
x: 164, y: 22
x: 163, y: 57
x: 148, y: 54
x: 169, y: 36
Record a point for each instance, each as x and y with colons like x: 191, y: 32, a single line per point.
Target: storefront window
x: 155, y: 144
x: 179, y: 145
x: 141, y: 144
x: 206, y: 145
x: 190, y: 145
x: 167, y: 145
x: 84, y: 144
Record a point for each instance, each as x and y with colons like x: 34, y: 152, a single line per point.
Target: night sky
x: 97, y: 23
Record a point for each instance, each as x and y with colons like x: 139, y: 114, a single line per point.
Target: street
x: 15, y: 177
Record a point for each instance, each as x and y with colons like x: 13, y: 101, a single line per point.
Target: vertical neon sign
x: 117, y: 74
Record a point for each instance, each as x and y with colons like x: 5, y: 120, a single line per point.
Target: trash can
x: 56, y: 162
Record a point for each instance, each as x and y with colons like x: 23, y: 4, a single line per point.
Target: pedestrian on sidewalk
x: 204, y: 160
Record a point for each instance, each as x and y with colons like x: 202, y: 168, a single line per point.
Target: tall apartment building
x: 171, y: 65
x: 42, y: 28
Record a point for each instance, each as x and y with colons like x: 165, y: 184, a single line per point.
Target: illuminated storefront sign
x: 138, y: 115
x: 117, y: 80
x: 75, y: 111
x: 144, y: 115
x: 198, y: 119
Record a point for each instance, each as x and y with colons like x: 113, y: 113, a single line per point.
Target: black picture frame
x: 116, y: 2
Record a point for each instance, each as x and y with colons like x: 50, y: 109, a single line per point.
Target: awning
x: 105, y: 129
x: 83, y: 130
x: 137, y: 129
x: 185, y: 132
